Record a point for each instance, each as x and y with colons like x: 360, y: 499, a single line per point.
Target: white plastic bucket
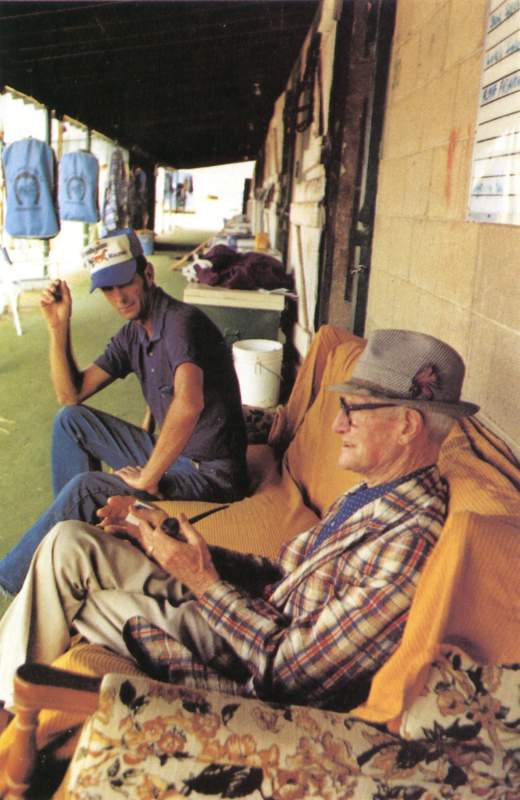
x: 258, y: 364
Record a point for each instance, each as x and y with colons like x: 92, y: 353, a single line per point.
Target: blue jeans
x: 82, y: 438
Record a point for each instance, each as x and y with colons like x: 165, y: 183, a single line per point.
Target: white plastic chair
x: 9, y: 288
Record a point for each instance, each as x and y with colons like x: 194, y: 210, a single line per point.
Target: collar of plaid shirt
x: 358, y: 498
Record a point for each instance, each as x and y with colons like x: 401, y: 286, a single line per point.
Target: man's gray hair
x: 438, y: 424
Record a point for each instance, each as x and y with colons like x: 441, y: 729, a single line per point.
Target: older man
x: 187, y: 378
x: 311, y: 627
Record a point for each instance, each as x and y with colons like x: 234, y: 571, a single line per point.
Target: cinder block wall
x: 432, y: 270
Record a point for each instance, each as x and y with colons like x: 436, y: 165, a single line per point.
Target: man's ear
x: 412, y: 424
x: 149, y: 275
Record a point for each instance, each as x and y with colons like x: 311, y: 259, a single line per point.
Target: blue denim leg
x: 79, y: 499
x: 215, y: 481
x: 83, y: 437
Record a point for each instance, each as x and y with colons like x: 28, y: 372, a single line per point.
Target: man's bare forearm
x: 176, y: 431
x: 66, y: 376
x: 56, y: 306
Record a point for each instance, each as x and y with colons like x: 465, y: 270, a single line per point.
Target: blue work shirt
x: 183, y: 333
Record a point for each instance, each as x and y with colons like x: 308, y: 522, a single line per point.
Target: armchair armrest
x: 143, y: 736
x: 38, y: 686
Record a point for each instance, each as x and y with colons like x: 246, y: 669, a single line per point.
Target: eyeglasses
x: 348, y: 409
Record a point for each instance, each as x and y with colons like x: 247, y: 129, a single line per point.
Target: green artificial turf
x: 27, y: 400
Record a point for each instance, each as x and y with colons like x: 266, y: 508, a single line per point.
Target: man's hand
x: 190, y: 562
x: 114, y: 516
x: 56, y: 304
x: 134, y: 477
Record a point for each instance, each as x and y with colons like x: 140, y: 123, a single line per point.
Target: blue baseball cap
x: 113, y: 260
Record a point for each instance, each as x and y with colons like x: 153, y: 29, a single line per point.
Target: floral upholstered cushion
x: 464, y: 700
x: 152, y: 740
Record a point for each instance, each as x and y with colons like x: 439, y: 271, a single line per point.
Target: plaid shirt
x: 334, y: 617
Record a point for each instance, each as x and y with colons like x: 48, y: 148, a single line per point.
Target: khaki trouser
x: 84, y: 579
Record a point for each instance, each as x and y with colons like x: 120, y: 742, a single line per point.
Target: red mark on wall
x: 449, y: 166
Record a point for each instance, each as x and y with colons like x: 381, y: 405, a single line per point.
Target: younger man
x: 188, y: 380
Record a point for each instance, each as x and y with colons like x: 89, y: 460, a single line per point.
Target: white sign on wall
x: 495, y: 178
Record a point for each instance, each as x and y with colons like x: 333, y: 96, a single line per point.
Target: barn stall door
x: 357, y: 107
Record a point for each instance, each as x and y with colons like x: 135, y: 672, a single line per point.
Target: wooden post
x: 22, y: 753
x: 300, y: 271
x: 38, y: 686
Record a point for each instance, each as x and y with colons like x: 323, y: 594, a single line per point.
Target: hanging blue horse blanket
x: 29, y: 177
x: 78, y: 187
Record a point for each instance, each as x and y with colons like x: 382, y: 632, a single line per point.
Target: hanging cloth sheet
x: 115, y: 209
x: 29, y: 168
x: 183, y: 188
x: 78, y: 187
x: 169, y: 191
x: 137, y: 199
